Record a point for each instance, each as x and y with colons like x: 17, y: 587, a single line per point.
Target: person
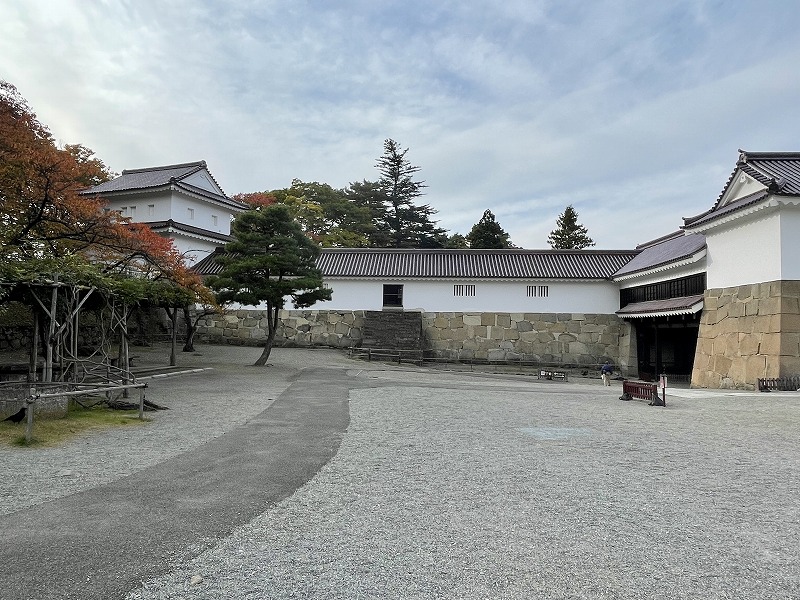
x: 605, y: 372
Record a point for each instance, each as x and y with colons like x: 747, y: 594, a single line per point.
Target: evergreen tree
x: 456, y: 242
x: 407, y: 225
x: 269, y: 260
x: 487, y: 234
x: 569, y: 234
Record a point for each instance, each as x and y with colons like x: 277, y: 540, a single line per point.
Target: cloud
x: 630, y: 111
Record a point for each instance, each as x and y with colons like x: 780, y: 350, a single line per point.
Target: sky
x: 631, y: 111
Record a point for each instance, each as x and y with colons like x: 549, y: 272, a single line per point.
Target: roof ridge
x: 200, y: 163
x: 478, y: 251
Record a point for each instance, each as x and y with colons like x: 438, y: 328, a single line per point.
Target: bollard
x: 29, y: 402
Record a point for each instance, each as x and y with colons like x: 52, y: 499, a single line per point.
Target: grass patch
x: 48, y: 432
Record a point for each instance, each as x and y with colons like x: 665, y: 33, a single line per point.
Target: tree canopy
x: 569, y: 234
x: 52, y: 237
x: 407, y: 224
x: 488, y: 234
x: 269, y: 260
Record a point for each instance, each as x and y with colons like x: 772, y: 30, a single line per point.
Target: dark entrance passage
x: 666, y: 345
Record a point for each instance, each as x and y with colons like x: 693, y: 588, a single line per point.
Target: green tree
x: 408, y: 225
x: 270, y: 260
x: 569, y: 234
x: 487, y: 234
x: 456, y: 242
x: 326, y: 214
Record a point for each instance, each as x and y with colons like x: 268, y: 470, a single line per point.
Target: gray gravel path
x: 462, y: 486
x: 452, y: 486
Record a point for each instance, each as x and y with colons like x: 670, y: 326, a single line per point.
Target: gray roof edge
x: 199, y: 164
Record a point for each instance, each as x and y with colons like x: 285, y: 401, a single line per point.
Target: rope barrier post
x: 141, y: 402
x: 29, y: 405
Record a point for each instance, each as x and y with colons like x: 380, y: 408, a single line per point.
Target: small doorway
x: 392, y: 295
x: 666, y: 345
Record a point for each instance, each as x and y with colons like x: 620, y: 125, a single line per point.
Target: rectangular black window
x: 540, y: 291
x: 392, y: 295
x: 463, y: 290
x: 664, y: 290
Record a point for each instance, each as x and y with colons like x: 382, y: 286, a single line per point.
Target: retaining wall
x: 553, y: 339
x: 748, y: 332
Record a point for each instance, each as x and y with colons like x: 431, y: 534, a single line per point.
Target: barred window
x: 538, y: 291
x: 463, y: 290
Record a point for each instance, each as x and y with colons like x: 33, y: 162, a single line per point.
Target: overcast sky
x: 631, y: 111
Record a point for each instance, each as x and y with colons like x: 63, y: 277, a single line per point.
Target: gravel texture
x: 203, y: 405
x: 460, y: 486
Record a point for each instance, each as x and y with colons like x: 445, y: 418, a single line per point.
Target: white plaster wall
x: 161, y: 206
x: 203, y: 213
x: 790, y: 243
x: 192, y: 249
x: 203, y: 180
x: 749, y: 252
x: 494, y: 296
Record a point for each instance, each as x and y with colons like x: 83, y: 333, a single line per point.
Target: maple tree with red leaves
x: 50, y: 232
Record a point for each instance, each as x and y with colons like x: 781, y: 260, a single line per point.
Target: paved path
x: 102, y: 542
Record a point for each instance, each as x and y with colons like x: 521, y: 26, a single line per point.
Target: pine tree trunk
x: 272, y: 321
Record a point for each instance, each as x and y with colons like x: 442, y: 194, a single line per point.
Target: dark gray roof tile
x: 462, y: 264
x: 670, y: 250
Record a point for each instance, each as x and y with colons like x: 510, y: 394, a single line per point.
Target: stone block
x: 494, y: 333
x: 510, y: 334
x: 456, y: 322
x: 787, y: 366
x: 755, y: 368
x: 722, y: 364
x: 790, y: 344
x: 771, y: 344
x: 496, y: 354
x: 487, y: 319
x: 790, y: 322
x: 524, y: 326
x: 503, y: 320
x: 471, y: 319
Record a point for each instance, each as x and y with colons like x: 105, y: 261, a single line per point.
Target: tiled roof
x: 462, y: 264
x: 668, y: 250
x: 779, y: 172
x: 170, y: 224
x: 717, y: 213
x: 156, y: 177
x: 136, y: 179
x: 684, y: 305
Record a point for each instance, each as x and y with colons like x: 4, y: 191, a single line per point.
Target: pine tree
x: 488, y: 234
x: 270, y: 259
x: 408, y: 225
x: 569, y: 234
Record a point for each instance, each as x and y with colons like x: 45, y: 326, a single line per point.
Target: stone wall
x: 746, y: 333
x: 567, y: 339
x: 338, y: 329
x: 548, y: 338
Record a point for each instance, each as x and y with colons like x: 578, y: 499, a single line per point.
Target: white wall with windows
x: 531, y: 296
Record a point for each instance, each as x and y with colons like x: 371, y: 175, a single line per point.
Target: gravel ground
x: 201, y: 405
x: 461, y: 486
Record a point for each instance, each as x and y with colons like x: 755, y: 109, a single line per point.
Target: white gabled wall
x: 203, y: 180
x: 744, y: 252
x: 596, y: 297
